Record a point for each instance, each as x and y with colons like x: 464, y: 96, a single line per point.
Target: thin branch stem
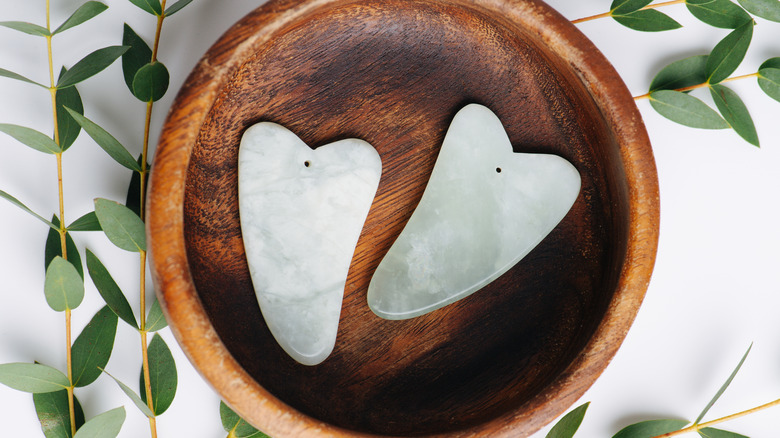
x: 609, y: 14
x: 71, y: 404
x: 703, y: 85
x: 698, y: 427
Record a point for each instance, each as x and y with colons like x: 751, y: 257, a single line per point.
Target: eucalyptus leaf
x: 92, y: 348
x: 28, y: 28
x: 63, y: 286
x: 109, y: 290
x: 769, y: 81
x: 19, y: 204
x: 85, y: 12
x: 122, y: 227
x: 32, y: 377
x: 568, y: 425
x: 105, y: 425
x: 686, y: 110
x: 719, y: 13
x: 151, y: 82
x: 53, y: 248
x: 162, y: 375
x: 54, y: 413
x: 151, y: 6
x: 91, y: 65
x: 735, y: 112
x: 32, y: 138
x: 133, y: 201
x: 771, y: 63
x: 647, y: 20
x: 88, y: 222
x: 133, y: 396
x: 766, y: 9
x: 156, y: 319
x: 67, y: 127
x: 680, y: 74
x: 729, y: 53
x: 9, y: 74
x: 723, y: 387
x: 709, y: 432
x: 138, y: 55
x: 627, y: 6
x: 240, y: 428
x: 651, y: 428
x: 176, y: 7
x: 106, y: 141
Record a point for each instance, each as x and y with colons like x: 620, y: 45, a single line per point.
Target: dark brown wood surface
x: 503, y: 361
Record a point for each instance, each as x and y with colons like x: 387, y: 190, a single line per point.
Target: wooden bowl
x: 502, y: 362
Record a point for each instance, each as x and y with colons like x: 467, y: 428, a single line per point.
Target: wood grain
x: 501, y: 362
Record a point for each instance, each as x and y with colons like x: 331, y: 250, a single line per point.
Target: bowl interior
x: 394, y: 73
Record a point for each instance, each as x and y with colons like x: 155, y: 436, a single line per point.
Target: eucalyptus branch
x: 701, y: 85
x: 609, y: 14
x: 697, y: 427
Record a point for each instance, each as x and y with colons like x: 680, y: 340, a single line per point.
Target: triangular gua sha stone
x: 302, y: 211
x: 485, y: 207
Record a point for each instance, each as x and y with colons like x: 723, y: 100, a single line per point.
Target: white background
x: 714, y: 290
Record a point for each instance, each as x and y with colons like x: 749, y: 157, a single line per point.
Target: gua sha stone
x: 302, y: 211
x: 485, y: 207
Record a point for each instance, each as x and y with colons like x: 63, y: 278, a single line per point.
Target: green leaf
x: 53, y: 248
x: 63, y: 286
x: 729, y: 53
x: 151, y: 82
x: 88, y: 222
x: 28, y: 28
x: 105, y: 425
x: 31, y: 138
x: 138, y: 55
x: 723, y: 387
x: 769, y: 78
x: 91, y: 65
x: 240, y: 428
x: 771, y: 63
x: 647, y: 20
x: 156, y: 319
x: 568, y: 425
x: 19, y: 204
x: 709, y: 432
x: 680, y: 74
x: 649, y: 429
x: 735, y: 112
x: 151, y: 6
x: 106, y: 141
x: 176, y: 7
x: 686, y: 110
x: 718, y: 13
x: 32, y: 377
x: 162, y: 375
x: 68, y: 129
x: 86, y: 12
x: 627, y: 6
x: 92, y: 348
x: 766, y: 9
x: 123, y: 227
x: 9, y: 74
x: 133, y: 201
x: 54, y: 413
x: 133, y: 396
x: 109, y: 290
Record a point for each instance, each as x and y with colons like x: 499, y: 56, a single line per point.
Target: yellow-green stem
x: 698, y: 427
x: 71, y: 404
x: 703, y: 85
x: 609, y: 14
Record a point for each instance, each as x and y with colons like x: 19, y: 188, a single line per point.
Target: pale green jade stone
x: 302, y: 211
x: 485, y: 207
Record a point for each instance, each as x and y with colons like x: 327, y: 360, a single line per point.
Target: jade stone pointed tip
x: 302, y: 211
x: 485, y: 207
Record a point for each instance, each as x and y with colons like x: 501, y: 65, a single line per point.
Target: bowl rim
x: 168, y: 255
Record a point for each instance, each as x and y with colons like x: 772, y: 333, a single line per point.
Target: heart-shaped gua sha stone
x: 302, y: 211
x: 485, y: 207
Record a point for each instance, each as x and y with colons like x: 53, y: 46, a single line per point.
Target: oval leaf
x: 176, y: 7
x: 9, y: 74
x: 123, y: 227
x: 31, y: 138
x: 63, y: 285
x: 719, y: 13
x: 53, y: 249
x: 680, y: 74
x: 151, y: 82
x: 88, y: 222
x: 649, y: 429
x: 133, y: 396
x: 686, y: 110
x: 91, y: 65
x: 87, y: 11
x: 568, y: 425
x: 54, y: 413
x: 133, y: 200
x: 106, y: 141
x: 67, y: 128
x: 151, y: 6
x: 105, y: 425
x: 19, y: 204
x: 32, y: 377
x: 735, y: 112
x: 647, y: 20
x: 729, y: 53
x: 138, y: 55
x: 28, y: 28
x: 162, y: 375
x: 627, y: 6
x: 709, y: 432
x: 231, y: 422
x: 769, y: 81
x: 724, y: 386
x: 766, y: 9
x: 109, y: 290
x: 156, y: 319
x: 93, y: 347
